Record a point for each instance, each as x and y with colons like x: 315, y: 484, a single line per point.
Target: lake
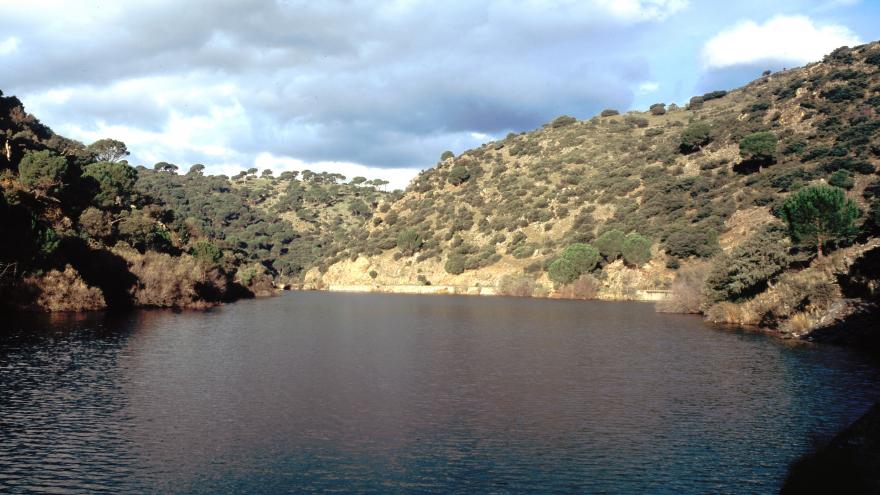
x: 325, y: 392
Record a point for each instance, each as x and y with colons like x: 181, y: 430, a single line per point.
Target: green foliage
x: 609, y: 112
x: 96, y: 223
x: 610, y: 244
x: 108, y: 150
x: 373, y: 274
x: 842, y: 179
x: 636, y: 249
x: 562, y: 121
x: 207, y: 253
x: 819, y: 216
x: 758, y: 146
x: 458, y: 175
x: 747, y: 269
x: 43, y: 170
x: 115, y: 183
x: 409, y: 241
x: 583, y: 257
x: 695, y: 136
x: 455, y: 263
x: 446, y: 155
x: 563, y: 271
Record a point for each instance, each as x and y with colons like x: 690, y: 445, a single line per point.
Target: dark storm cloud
x: 380, y: 84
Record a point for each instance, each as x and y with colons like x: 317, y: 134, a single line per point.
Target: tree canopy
x: 819, y: 216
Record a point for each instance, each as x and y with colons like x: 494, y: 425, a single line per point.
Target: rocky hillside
x: 621, y: 205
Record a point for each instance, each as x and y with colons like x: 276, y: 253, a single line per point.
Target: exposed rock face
x: 849, y: 464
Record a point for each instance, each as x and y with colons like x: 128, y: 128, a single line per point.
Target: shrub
x: 609, y: 112
x: 818, y: 216
x: 583, y: 257
x: 524, y: 251
x: 695, y: 136
x: 695, y: 103
x: 842, y: 179
x: 562, y: 121
x: 42, y: 170
x: 373, y: 274
x: 748, y: 268
x: 409, y: 241
x: 563, y: 271
x: 712, y: 95
x: 610, y: 244
x: 585, y: 287
x: 515, y: 285
x: 758, y: 146
x: 686, y: 294
x: 207, y: 253
x: 447, y: 155
x: 458, y: 175
x: 455, y: 264
x: 636, y: 249
x: 658, y: 109
x: 96, y: 223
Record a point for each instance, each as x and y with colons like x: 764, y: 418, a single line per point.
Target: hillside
x: 83, y: 230
x: 692, y: 188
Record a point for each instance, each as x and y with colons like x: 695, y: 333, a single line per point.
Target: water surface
x: 322, y: 392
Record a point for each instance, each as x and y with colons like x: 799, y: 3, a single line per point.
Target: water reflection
x: 369, y: 393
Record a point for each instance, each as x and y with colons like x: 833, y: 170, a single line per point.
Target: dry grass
x: 687, y: 289
x: 62, y: 291
x: 585, y: 287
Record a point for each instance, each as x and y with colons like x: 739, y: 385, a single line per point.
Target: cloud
x: 793, y: 40
x: 386, y: 85
x: 9, y: 45
x: 647, y: 87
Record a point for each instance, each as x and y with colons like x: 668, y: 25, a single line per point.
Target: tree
x: 42, y: 170
x: 658, y: 109
x: 695, y: 136
x: 748, y: 268
x: 266, y: 173
x: 583, y: 257
x: 96, y: 223
x: 356, y: 181
x: 759, y: 147
x: 165, y: 167
x: 447, y: 155
x: 108, y: 150
x: 610, y: 243
x: 197, y: 169
x: 458, y: 175
x: 409, y: 241
x: 114, y: 182
x: 818, y: 216
x: 636, y: 249
x: 563, y: 271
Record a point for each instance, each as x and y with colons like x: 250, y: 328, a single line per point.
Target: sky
x: 381, y: 89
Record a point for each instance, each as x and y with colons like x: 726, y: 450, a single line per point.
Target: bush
x: 409, y: 241
x: 585, y: 287
x: 758, y: 146
x: 610, y: 244
x: 842, y: 179
x: 458, y: 175
x: 658, y: 109
x: 747, y: 269
x: 563, y: 271
x: 686, y: 294
x: 373, y: 274
x: 446, y: 156
x: 515, y: 285
x: 609, y: 112
x: 455, y: 264
x: 695, y: 136
x: 524, y: 251
x: 562, y: 121
x: 96, y: 223
x: 207, y: 253
x: 43, y: 170
x: 636, y: 249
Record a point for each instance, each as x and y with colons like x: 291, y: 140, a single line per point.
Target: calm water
x: 319, y: 392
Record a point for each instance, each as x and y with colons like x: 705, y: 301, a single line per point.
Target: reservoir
x: 316, y: 392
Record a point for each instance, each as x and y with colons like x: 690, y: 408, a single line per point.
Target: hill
x: 664, y: 195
